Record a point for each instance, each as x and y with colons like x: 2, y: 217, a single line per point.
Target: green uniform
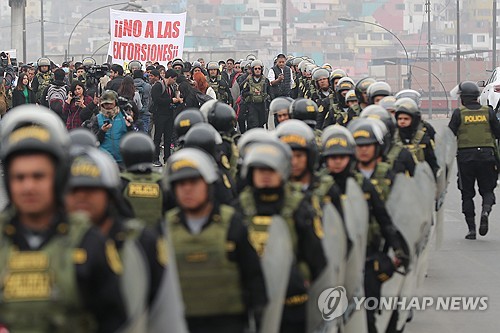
x: 39, y: 291
x: 145, y: 195
x: 210, y: 283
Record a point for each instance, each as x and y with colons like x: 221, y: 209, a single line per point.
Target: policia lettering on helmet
x: 94, y: 189
x: 267, y: 168
x: 302, y: 141
x: 476, y: 128
x: 141, y: 185
x: 412, y: 133
x: 55, y: 267
x: 340, y: 151
x: 255, y: 93
x: 219, y: 271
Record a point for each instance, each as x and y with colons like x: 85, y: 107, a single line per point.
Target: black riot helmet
x: 337, y: 140
x: 185, y: 120
x: 362, y: 87
x: 203, y: 136
x: 299, y: 136
x: 222, y: 117
x: 378, y: 112
x: 305, y: 110
x: 367, y: 131
x: 137, y: 150
x: 469, y: 89
x: 30, y: 128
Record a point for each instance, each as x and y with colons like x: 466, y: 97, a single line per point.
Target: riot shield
x: 276, y: 264
x: 135, y: 286
x: 446, y: 150
x: 356, y: 216
x: 427, y: 186
x: 335, y: 247
x: 167, y: 312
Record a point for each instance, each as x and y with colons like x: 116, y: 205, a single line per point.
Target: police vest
x: 44, y: 80
x: 322, y: 186
x: 210, y: 283
x: 234, y: 157
x: 415, y: 146
x: 357, y: 109
x: 310, y: 89
x: 257, y: 94
x: 282, y: 88
x: 144, y: 195
x: 393, y: 154
x: 39, y: 291
x: 475, y: 130
x: 220, y: 90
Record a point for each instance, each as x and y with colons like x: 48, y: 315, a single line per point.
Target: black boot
x: 483, y: 227
x: 472, y: 228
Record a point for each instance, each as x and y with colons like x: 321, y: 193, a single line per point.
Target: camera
x: 97, y: 71
x: 124, y: 104
x: 4, y: 60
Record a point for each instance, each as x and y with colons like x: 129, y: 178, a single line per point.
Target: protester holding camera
x: 22, y: 94
x: 111, y: 124
x: 76, y: 101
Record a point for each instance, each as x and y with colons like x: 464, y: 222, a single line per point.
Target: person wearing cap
x: 476, y: 128
x: 219, y: 271
x: 111, y: 124
x: 267, y: 169
x: 55, y: 268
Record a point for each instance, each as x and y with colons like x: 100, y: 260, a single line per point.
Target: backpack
x: 202, y: 98
x: 56, y: 95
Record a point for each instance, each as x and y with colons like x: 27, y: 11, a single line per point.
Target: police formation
x: 280, y: 194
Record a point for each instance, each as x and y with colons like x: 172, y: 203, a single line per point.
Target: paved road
x: 462, y: 267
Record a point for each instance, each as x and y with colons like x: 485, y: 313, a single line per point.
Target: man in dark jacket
x: 144, y: 89
x: 163, y: 97
x: 54, y: 95
x: 116, y: 75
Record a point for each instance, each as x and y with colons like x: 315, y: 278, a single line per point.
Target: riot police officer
x: 339, y: 112
x: 305, y: 159
x: 476, y: 128
x: 204, y: 136
x: 278, y: 109
x: 223, y: 118
x: 377, y: 91
x: 339, y: 151
x: 218, y: 84
x: 255, y: 94
x: 94, y: 189
x: 416, y: 97
x: 412, y: 134
x: 266, y: 167
x: 184, y: 121
x: 361, y: 89
x: 43, y: 78
x: 396, y: 154
x: 140, y: 183
x: 55, y: 266
x: 320, y: 78
x: 219, y: 271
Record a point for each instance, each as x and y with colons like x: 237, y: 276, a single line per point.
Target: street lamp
x: 129, y: 3
x: 448, y: 106
x: 408, y: 67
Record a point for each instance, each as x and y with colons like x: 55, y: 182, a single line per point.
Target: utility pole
x: 42, y: 29
x: 494, y: 55
x: 429, y: 54
x: 458, y: 41
x: 283, y: 28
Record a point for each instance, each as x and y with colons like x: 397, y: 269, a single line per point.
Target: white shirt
x: 271, y: 77
x: 211, y: 93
